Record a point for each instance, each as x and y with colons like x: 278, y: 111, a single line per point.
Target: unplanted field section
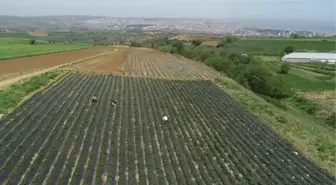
x: 60, y: 137
x: 155, y: 64
x: 113, y: 62
x: 20, y: 66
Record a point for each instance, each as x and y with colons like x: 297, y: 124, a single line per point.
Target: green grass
x: 313, y: 140
x: 13, y: 95
x: 16, y: 48
x: 318, y: 65
x: 275, y: 47
x: 314, y: 69
x: 268, y: 58
x: 309, y: 75
x: 301, y: 79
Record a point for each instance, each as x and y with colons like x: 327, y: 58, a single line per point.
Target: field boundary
x: 283, y: 124
x: 124, y: 74
x: 43, y: 53
x: 60, y: 78
x: 6, y: 83
x: 49, y: 85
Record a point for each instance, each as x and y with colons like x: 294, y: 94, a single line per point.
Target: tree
x: 32, y: 41
x: 196, y: 42
x: 229, y: 39
x: 152, y: 45
x: 221, y: 64
x: 135, y: 44
x: 179, y: 47
x: 260, y: 80
x: 289, y: 49
x: 166, y: 40
x: 294, y: 35
x: 284, y: 68
x: 331, y: 120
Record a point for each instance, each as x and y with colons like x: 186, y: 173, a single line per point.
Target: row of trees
x: 246, y: 70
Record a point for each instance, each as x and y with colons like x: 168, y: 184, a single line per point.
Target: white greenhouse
x: 310, y: 57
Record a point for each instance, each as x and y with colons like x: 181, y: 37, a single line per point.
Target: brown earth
x: 151, y: 63
x: 326, y: 99
x: 39, y: 34
x: 113, y: 62
x: 145, y: 62
x: 211, y: 43
x: 190, y: 37
x: 22, y: 66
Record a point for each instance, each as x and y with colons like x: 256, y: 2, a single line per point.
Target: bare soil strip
x: 23, y: 66
x: 10, y: 81
x: 113, y: 62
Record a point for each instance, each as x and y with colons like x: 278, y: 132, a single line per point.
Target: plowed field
x: 60, y: 137
x: 111, y: 63
x: 146, y: 63
x: 154, y: 64
x: 20, y: 66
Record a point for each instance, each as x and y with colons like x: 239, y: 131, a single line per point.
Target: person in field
x: 94, y: 99
x: 164, y: 119
x: 114, y: 103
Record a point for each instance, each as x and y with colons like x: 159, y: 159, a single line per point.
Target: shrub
x: 331, y: 121
x: 220, y: 64
x: 135, y: 44
x: 196, y: 42
x: 32, y: 41
x: 260, y: 80
x: 289, y: 49
x: 257, y: 78
x: 305, y: 104
x: 284, y: 68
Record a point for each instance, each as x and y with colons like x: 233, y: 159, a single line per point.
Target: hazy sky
x: 220, y: 9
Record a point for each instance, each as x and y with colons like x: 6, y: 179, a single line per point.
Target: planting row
x: 62, y: 137
x: 140, y: 63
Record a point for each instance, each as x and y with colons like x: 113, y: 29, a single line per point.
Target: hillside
x: 60, y: 135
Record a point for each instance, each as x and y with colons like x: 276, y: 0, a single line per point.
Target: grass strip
x: 14, y: 95
x: 312, y: 139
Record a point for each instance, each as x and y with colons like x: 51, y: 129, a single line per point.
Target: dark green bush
x: 284, y: 68
x: 289, y: 49
x: 32, y: 41
x: 331, y: 120
x: 196, y: 42
x: 305, y: 104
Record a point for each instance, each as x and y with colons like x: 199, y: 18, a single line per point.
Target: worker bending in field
x: 114, y: 103
x: 94, y: 99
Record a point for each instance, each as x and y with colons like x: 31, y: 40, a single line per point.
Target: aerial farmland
x: 60, y: 136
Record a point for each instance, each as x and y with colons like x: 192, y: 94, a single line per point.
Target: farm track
x: 60, y: 137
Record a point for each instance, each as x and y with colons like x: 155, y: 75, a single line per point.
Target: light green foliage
x: 10, y: 97
x: 15, y: 48
x: 284, y: 68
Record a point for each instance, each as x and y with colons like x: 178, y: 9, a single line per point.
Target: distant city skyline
x: 215, y: 9
x: 294, y: 14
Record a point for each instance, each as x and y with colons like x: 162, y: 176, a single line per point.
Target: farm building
x: 310, y: 57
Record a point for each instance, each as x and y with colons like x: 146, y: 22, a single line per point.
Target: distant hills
x: 64, y: 22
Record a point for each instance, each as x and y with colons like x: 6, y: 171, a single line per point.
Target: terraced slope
x: 60, y: 137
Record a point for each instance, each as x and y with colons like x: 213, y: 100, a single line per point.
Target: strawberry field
x: 61, y: 137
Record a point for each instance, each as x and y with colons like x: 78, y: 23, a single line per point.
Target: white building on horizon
x: 309, y: 57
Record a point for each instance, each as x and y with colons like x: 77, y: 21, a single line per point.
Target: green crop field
x: 17, y: 47
x: 275, y: 47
